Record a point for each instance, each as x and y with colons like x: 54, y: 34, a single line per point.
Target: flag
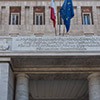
x: 53, y: 12
x: 67, y: 13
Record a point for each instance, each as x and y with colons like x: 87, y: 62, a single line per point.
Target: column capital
x: 22, y: 75
x: 94, y: 75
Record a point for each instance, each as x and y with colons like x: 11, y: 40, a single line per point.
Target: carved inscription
x: 70, y: 43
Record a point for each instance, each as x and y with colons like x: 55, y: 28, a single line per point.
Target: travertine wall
x: 27, y: 27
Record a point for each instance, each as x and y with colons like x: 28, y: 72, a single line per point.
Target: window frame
x: 11, y: 19
x: 39, y: 10
x: 90, y: 16
x: 39, y: 20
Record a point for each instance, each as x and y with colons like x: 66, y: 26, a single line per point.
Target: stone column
x: 94, y: 86
x: 22, y: 92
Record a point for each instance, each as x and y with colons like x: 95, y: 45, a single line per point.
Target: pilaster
x: 79, y: 15
x: 6, y: 80
x: 22, y: 15
x: 95, y: 19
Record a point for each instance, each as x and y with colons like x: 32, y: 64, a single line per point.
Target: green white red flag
x: 53, y: 12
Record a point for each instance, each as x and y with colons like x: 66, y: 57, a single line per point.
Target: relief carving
x: 4, y: 45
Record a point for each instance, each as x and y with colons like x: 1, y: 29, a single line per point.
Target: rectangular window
x: 87, y: 17
x: 59, y: 19
x: 39, y: 16
x: 39, y: 19
x: 15, y: 16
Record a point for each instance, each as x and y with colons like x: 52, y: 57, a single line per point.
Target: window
x: 39, y: 16
x: 87, y: 18
x: 59, y: 19
x: 15, y: 16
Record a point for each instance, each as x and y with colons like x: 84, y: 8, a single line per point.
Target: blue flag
x: 67, y: 12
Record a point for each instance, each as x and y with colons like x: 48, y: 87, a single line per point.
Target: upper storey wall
x: 26, y: 26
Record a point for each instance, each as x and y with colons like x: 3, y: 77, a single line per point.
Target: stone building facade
x: 37, y: 65
x: 28, y: 11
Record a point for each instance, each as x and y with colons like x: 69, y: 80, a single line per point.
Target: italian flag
x: 53, y: 12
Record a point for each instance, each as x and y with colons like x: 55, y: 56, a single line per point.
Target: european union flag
x: 67, y: 12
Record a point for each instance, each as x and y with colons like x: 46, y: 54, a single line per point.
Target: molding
x: 2, y: 59
x: 44, y: 54
x: 56, y: 70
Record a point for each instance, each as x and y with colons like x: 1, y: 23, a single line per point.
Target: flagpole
x: 59, y: 25
x: 55, y: 31
x: 59, y: 20
x: 63, y: 30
